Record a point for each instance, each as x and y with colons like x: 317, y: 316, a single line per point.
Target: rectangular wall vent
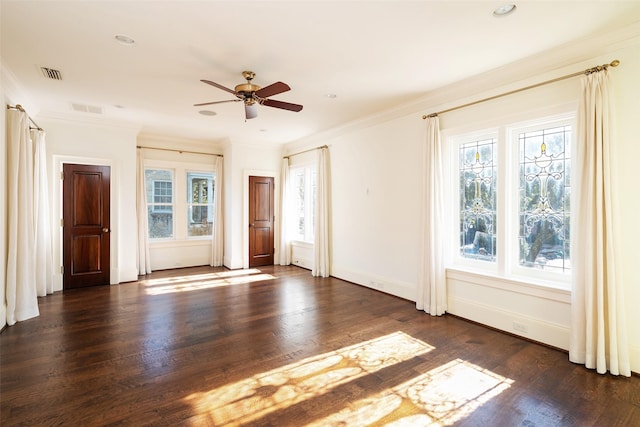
x: 50, y: 73
x: 86, y: 108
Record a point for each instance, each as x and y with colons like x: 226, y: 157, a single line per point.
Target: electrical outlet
x: 520, y: 327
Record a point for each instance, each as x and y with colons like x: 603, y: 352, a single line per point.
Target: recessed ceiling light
x: 118, y: 106
x: 125, y: 40
x: 504, y: 10
x: 207, y: 112
x: 263, y: 130
x: 330, y: 95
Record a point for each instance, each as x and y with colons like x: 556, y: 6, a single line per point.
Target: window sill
x: 302, y: 244
x: 535, y: 288
x: 180, y: 243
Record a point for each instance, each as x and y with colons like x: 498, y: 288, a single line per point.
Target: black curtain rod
x: 595, y: 69
x: 20, y: 108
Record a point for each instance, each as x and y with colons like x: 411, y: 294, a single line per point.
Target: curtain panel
x: 432, y: 286
x: 598, y: 323
x: 42, y: 231
x: 21, y: 293
x: 217, y: 239
x: 284, y: 246
x: 142, y: 254
x: 321, y: 265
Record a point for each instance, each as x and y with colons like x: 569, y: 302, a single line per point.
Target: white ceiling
x: 373, y: 55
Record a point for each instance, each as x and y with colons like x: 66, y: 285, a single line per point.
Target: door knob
x: 105, y: 230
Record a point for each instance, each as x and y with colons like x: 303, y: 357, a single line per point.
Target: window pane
x: 159, y: 193
x: 200, y: 222
x: 478, y: 200
x: 312, y: 207
x: 160, y: 222
x: 200, y: 188
x: 545, y: 199
x: 298, y: 178
x: 159, y: 185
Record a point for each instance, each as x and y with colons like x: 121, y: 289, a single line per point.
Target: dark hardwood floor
x: 277, y: 347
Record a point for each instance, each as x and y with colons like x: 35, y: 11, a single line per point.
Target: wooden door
x: 85, y: 199
x: 261, y: 221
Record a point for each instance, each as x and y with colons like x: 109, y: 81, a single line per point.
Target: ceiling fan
x: 252, y: 95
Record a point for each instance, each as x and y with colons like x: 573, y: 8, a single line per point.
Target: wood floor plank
x: 277, y: 347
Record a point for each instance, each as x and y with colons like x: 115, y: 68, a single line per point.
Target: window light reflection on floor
x: 252, y: 398
x: 441, y: 397
x: 203, y: 281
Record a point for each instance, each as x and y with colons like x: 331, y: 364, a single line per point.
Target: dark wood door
x: 261, y: 221
x: 85, y: 199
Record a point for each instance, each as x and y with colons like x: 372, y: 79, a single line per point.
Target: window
x: 514, y: 214
x: 200, y: 189
x: 478, y: 199
x: 179, y: 201
x: 545, y: 188
x: 159, y: 187
x: 303, y: 180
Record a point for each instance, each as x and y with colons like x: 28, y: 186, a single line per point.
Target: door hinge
x: 61, y: 222
x: 61, y: 269
x: 62, y: 175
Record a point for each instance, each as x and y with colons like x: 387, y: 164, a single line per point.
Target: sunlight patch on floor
x: 203, y: 281
x: 252, y: 398
x: 440, y: 397
x: 198, y: 277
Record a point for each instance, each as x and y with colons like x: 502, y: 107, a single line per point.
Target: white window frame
x: 158, y: 206
x: 506, y: 265
x: 210, y: 176
x: 180, y: 205
x: 309, y: 205
x: 154, y: 206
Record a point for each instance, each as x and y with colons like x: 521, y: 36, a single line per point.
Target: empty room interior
x: 319, y: 213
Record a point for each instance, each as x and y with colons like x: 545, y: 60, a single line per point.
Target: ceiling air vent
x: 86, y: 108
x: 50, y: 73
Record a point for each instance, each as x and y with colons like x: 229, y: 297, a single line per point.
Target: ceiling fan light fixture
x: 504, y: 10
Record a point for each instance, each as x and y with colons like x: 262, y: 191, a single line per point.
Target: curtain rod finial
x: 615, y: 63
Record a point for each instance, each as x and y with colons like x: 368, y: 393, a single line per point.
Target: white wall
x: 245, y: 160
x: 72, y: 142
x: 376, y: 182
x: 181, y: 253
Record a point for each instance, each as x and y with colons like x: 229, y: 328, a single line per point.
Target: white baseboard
x: 510, y: 321
x: 400, y: 289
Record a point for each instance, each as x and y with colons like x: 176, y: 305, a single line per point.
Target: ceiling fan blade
x: 219, y: 86
x: 251, y: 111
x: 216, y: 102
x: 272, y: 89
x: 282, y: 104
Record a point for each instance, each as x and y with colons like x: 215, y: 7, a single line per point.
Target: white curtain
x: 321, y: 236
x: 142, y: 255
x: 42, y: 225
x: 21, y: 292
x: 285, y: 244
x: 598, y: 324
x: 432, y: 286
x: 217, y: 239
